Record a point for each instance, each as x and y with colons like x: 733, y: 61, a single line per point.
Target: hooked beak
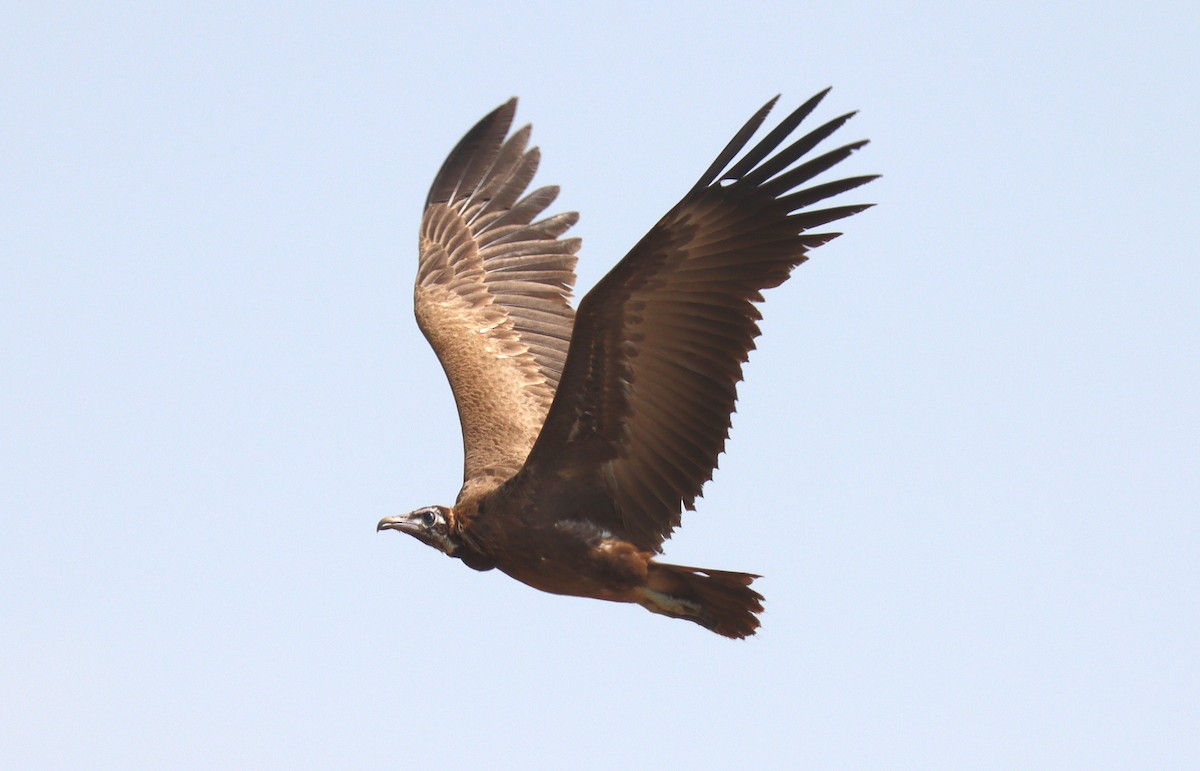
x: 405, y: 523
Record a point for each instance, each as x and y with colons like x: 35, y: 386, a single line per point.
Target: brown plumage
x: 585, y: 435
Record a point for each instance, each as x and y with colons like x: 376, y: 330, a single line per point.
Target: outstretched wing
x: 492, y: 294
x: 650, y: 382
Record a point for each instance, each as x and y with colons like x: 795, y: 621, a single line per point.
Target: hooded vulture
x: 587, y: 432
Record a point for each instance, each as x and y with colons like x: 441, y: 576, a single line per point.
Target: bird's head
x: 429, y: 525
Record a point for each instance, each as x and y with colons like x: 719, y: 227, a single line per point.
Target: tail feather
x: 719, y: 600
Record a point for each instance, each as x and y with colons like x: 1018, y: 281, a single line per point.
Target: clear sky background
x: 966, y: 459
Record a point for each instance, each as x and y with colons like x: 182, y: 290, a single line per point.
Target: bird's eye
x: 428, y: 518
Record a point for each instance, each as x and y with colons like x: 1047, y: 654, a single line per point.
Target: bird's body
x: 586, y: 433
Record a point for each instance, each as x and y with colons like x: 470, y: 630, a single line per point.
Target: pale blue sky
x: 965, y: 458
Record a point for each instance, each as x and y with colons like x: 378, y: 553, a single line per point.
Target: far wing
x: 644, y: 406
x: 492, y: 294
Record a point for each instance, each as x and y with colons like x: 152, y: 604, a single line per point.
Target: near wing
x: 650, y: 382
x: 492, y: 294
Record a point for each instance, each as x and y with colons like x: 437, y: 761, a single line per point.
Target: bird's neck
x: 473, y: 548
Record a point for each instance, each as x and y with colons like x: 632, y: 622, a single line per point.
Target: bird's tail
x: 715, y: 599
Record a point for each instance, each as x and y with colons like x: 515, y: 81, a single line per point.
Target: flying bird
x: 587, y: 432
